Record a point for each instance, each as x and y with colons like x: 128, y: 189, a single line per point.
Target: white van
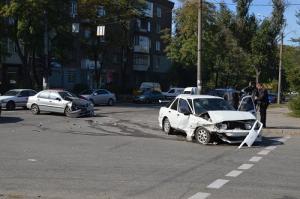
x: 190, y: 90
x: 151, y: 86
x: 173, y: 92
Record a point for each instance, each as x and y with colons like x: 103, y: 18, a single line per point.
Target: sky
x: 262, y: 9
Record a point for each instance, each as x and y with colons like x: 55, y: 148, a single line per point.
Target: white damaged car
x: 209, y: 118
x: 60, y: 101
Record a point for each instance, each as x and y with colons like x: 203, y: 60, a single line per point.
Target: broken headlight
x: 222, y: 126
x: 248, y: 126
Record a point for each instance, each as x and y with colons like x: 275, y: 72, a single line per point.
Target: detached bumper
x: 82, y: 112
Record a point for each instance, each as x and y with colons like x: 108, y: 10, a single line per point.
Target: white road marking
x: 255, y: 159
x: 32, y: 160
x: 234, y: 173
x: 271, y: 147
x: 245, y: 166
x: 200, y: 195
x: 264, y: 152
x: 217, y: 184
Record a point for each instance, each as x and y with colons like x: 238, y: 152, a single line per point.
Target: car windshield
x: 67, y: 95
x: 87, y: 92
x: 11, y: 93
x: 211, y: 104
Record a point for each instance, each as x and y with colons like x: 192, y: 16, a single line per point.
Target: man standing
x: 263, y: 102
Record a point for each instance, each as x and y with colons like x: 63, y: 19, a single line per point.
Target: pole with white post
x: 199, y: 60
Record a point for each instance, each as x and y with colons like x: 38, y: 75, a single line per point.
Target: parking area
x: 122, y: 153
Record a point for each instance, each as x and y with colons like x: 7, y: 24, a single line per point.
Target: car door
x: 172, y: 113
x: 22, y: 98
x: 43, y: 101
x: 183, y: 114
x: 247, y: 104
x: 55, y: 103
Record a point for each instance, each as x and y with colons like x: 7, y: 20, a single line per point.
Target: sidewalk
x: 279, y: 122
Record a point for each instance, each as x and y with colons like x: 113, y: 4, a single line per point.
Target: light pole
x: 199, y: 53
x: 46, y: 67
x: 280, y: 69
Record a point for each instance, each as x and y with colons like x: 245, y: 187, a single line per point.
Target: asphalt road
x: 121, y: 153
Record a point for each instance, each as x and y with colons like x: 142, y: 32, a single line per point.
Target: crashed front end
x: 236, y: 131
x: 79, y: 109
x: 231, y: 126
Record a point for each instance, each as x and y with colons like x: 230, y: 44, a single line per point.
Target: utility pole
x: 46, y: 68
x: 280, y: 70
x: 199, y: 60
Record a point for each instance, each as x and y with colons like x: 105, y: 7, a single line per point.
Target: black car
x: 149, y: 97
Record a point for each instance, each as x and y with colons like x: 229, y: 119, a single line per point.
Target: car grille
x: 238, y: 124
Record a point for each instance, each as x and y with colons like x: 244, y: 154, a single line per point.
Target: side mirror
x: 58, y: 99
x: 94, y: 94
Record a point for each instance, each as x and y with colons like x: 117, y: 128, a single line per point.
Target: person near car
x: 263, y: 102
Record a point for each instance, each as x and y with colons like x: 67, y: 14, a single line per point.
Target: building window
x: 158, y: 12
x: 101, y: 11
x: 157, y: 46
x: 158, y: 27
x: 141, y: 60
x: 148, y: 11
x: 144, y: 25
x: 74, y: 8
x: 141, y: 44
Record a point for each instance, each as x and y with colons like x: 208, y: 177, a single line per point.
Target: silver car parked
x: 99, y: 96
x: 60, y: 101
x: 16, y: 98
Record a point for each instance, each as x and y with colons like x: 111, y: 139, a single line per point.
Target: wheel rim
x: 202, y: 136
x: 68, y: 110
x: 167, y: 126
x: 34, y: 109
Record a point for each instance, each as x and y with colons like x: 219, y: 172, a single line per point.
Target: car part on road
x: 203, y: 136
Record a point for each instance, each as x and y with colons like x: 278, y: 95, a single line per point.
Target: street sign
x: 100, y: 31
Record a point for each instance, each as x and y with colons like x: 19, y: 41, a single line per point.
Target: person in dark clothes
x: 263, y: 102
x: 235, y: 100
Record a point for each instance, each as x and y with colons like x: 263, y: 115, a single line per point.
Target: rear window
x: 44, y: 95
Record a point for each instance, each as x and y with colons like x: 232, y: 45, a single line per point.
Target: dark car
x: 149, y: 97
x: 272, y: 98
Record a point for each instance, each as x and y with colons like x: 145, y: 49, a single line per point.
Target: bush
x: 294, y: 106
x: 79, y: 88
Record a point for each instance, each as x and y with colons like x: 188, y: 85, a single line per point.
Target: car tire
x: 68, y: 111
x: 110, y: 102
x: 166, y: 127
x: 10, y: 105
x: 35, y: 110
x: 203, y: 136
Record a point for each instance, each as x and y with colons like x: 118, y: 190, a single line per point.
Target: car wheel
x: 203, y: 136
x: 35, y: 109
x: 10, y: 105
x: 68, y: 111
x: 110, y: 102
x: 167, y: 126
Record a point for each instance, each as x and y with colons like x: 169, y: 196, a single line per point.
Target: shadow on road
x: 6, y: 120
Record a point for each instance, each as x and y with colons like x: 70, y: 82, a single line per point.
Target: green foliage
x: 294, y: 106
x: 236, y: 46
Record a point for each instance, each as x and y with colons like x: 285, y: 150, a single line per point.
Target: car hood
x: 6, y: 97
x: 79, y: 102
x: 220, y: 116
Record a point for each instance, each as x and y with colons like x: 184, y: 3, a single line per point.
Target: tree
x: 27, y: 31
